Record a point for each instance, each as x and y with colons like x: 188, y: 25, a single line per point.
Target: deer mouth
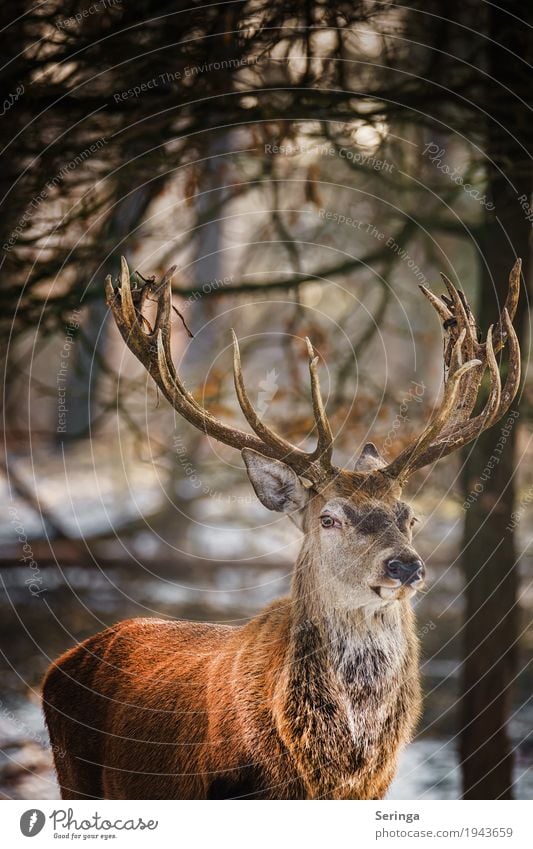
x: 393, y: 590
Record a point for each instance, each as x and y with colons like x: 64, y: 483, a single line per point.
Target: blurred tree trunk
x: 83, y: 379
x: 209, y: 262
x: 489, y: 551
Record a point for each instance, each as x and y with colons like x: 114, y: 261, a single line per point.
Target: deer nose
x: 407, y: 572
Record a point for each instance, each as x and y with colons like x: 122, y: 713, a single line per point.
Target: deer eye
x: 328, y: 521
x: 413, y: 522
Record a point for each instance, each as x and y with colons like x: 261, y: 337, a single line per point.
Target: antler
x: 152, y: 348
x: 451, y: 426
x: 466, y: 360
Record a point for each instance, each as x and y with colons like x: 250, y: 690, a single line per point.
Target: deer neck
x: 346, y: 674
x: 344, y: 638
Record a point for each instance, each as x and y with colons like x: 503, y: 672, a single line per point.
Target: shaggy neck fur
x: 351, y: 695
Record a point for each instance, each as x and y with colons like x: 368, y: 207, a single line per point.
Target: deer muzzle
x: 407, y: 572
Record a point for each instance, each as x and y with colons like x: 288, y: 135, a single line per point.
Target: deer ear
x: 275, y: 484
x: 369, y: 459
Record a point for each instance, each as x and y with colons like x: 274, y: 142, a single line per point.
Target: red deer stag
x: 315, y: 696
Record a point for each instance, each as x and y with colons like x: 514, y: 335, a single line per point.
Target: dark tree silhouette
x: 103, y: 110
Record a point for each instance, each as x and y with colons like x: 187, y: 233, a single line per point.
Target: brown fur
x: 308, y: 700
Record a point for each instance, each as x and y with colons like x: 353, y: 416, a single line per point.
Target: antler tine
x: 126, y: 299
x: 303, y: 462
x: 458, y: 329
x: 511, y: 303
x: 182, y: 400
x: 456, y: 358
x: 152, y: 348
x: 469, y: 393
x: 324, y: 448
x: 142, y: 344
x: 125, y: 314
x: 492, y: 412
x: 162, y: 324
x: 452, y: 427
x: 467, y: 386
x: 445, y: 315
x: 440, y: 307
x: 109, y: 291
x: 269, y: 436
x: 461, y: 317
x: 162, y: 330
x: 514, y: 365
x: 495, y: 394
x: 408, y: 460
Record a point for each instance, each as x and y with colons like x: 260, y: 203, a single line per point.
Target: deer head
x: 355, y: 525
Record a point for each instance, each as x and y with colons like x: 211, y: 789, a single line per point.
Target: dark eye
x: 413, y: 522
x: 329, y: 522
